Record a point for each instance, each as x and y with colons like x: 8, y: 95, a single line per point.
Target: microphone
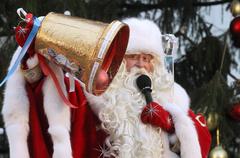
x: 144, y: 85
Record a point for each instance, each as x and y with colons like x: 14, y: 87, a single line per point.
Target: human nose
x: 140, y: 63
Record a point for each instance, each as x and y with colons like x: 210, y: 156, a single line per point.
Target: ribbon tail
x: 48, y: 71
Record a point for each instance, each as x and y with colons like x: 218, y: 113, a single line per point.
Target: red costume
x: 40, y: 125
x: 83, y: 125
x: 85, y: 139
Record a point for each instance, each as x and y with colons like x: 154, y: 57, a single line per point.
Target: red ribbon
x: 48, y: 71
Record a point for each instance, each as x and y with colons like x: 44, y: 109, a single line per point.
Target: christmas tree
x: 204, y: 65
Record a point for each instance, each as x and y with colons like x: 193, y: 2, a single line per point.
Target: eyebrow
x: 144, y: 55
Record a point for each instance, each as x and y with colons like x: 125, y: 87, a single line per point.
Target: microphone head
x: 144, y: 83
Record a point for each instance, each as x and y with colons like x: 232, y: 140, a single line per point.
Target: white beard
x: 128, y: 136
x: 119, y: 109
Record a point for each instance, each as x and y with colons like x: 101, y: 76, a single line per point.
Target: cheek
x: 130, y: 64
x: 149, y: 67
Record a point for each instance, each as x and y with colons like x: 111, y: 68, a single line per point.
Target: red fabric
x: 21, y: 34
x: 49, y: 72
x: 155, y: 115
x: 83, y: 127
x: 160, y: 118
x: 85, y: 139
x: 39, y: 140
x: 23, y: 30
x: 235, y: 112
x: 204, y: 136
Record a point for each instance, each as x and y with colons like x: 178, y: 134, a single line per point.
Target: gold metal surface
x: 79, y: 41
x: 235, y: 8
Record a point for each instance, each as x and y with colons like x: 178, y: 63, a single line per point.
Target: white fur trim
x: 181, y: 97
x: 185, y: 131
x: 176, y: 95
x: 17, y: 137
x: 184, y: 128
x: 145, y: 36
x: 167, y: 152
x: 32, y: 62
x: 60, y: 136
x: 58, y: 114
x: 16, y: 112
x: 172, y: 139
x: 16, y: 104
x: 96, y: 102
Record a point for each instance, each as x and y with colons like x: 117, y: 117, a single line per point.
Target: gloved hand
x: 23, y: 29
x: 22, y: 32
x: 155, y: 115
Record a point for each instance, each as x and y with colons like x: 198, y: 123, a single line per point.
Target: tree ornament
x: 235, y: 31
x: 102, y: 80
x: 218, y: 152
x: 235, y: 26
x: 235, y: 8
x: 235, y: 111
x: 212, y: 120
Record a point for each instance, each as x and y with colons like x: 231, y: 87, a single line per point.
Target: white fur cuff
x: 61, y: 142
x: 17, y: 137
x: 185, y: 131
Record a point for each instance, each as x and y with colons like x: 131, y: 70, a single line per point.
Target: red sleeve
x: 204, y: 135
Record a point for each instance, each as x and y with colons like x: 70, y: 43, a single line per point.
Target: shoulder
x: 181, y: 97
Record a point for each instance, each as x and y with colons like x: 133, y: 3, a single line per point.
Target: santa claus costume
x: 39, y: 124
x: 138, y: 130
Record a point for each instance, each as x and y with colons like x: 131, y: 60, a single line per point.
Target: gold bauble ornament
x: 235, y: 8
x: 212, y: 120
x: 218, y: 152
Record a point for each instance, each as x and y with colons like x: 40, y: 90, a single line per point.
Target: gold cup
x: 84, y: 47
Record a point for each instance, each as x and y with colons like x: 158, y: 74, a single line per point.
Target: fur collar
x: 16, y: 113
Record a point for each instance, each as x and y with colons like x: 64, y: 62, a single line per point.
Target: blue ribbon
x: 25, y: 47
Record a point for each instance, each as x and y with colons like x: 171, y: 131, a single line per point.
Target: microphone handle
x: 148, y: 97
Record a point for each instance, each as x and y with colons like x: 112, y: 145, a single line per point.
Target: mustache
x: 126, y: 79
x: 129, y: 80
x: 135, y: 71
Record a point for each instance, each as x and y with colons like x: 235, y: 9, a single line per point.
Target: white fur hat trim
x: 145, y: 37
